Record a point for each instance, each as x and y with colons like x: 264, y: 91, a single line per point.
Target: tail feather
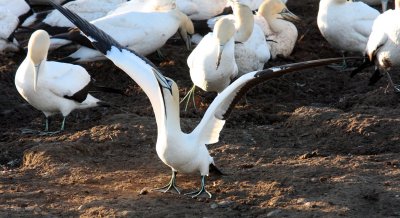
x: 213, y: 169
x: 96, y: 88
x: 366, y: 63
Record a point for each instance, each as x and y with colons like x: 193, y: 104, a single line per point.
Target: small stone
x: 308, y: 204
x: 301, y: 200
x: 213, y: 205
x: 273, y: 213
x: 314, y: 179
x: 144, y: 191
x: 397, y: 196
x: 225, y: 203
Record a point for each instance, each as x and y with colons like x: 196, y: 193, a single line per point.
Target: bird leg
x: 339, y: 67
x: 171, y: 186
x: 202, y: 190
x: 63, y: 124
x: 189, y: 96
x: 39, y: 132
x: 396, y: 87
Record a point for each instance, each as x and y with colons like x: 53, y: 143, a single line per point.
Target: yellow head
x: 275, y: 9
x: 186, y: 28
x: 244, y: 20
x: 224, y: 30
x: 38, y: 47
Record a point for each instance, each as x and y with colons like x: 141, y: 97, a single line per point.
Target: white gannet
x: 19, y: 8
x: 8, y: 24
x: 140, y: 31
x: 200, y: 9
x: 182, y: 152
x: 54, y: 23
x: 275, y: 20
x: 251, y: 48
x: 52, y: 87
x: 212, y: 63
x: 346, y: 25
x: 383, y: 47
x: 12, y: 13
x: 384, y: 3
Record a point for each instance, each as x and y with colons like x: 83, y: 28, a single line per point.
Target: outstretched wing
x: 139, y: 68
x: 219, y: 110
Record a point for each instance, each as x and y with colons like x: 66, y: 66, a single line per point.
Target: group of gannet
x: 229, y: 60
x: 356, y: 27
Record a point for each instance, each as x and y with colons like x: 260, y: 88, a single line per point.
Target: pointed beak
x: 289, y: 16
x: 35, y: 76
x: 185, y: 37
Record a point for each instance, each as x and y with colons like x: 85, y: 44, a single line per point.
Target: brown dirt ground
x: 310, y: 144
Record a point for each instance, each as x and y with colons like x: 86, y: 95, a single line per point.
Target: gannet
x: 275, y: 20
x: 212, y: 63
x: 251, y: 48
x: 12, y: 13
x: 383, y: 47
x: 346, y: 25
x: 182, y: 152
x: 8, y: 24
x: 200, y: 9
x: 54, y: 23
x: 140, y: 31
x: 52, y: 87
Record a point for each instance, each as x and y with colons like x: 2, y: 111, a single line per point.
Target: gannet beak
x: 35, y: 76
x: 185, y: 37
x: 220, y: 49
x: 289, y: 16
x: 370, y: 55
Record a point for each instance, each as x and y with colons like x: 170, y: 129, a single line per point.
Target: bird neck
x: 244, y: 21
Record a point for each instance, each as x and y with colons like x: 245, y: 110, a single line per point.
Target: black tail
x: 103, y: 104
x: 95, y: 88
x: 375, y: 77
x: 214, y: 170
x: 366, y: 63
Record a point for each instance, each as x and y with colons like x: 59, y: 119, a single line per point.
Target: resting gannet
x: 346, y: 25
x: 275, y: 20
x: 145, y: 32
x: 383, y: 47
x: 53, y: 87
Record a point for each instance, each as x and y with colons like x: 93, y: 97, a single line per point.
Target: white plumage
x: 8, y: 24
x: 200, y: 9
x: 276, y: 22
x: 212, y: 63
x: 346, y: 25
x: 88, y: 9
x: 252, y: 52
x: 140, y: 31
x: 383, y: 47
x: 182, y: 152
x: 10, y: 14
x: 50, y: 86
